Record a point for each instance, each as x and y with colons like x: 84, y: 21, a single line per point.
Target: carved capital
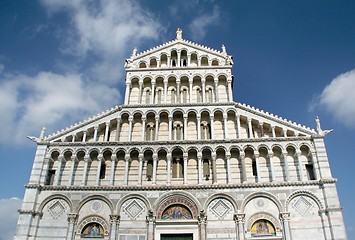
x: 202, y: 217
x: 285, y: 216
x: 72, y: 218
x: 114, y: 219
x: 239, y: 217
x: 150, y: 217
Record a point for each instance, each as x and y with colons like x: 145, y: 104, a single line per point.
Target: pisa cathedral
x: 180, y: 160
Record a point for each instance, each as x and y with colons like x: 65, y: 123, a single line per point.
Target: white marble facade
x: 181, y: 158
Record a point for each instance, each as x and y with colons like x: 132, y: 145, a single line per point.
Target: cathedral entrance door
x: 176, y: 237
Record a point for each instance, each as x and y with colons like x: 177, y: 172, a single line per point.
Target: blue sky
x: 62, y: 61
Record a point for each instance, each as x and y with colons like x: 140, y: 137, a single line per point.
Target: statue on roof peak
x: 319, y: 129
x: 179, y: 34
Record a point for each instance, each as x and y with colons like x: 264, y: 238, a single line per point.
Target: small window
x: 149, y: 170
x: 103, y: 171
x: 255, y: 172
x: 206, y: 169
x: 50, y: 177
x: 310, y: 172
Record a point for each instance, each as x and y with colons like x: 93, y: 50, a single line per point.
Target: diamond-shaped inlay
x: 302, y: 205
x: 220, y: 209
x: 133, y: 209
x: 56, y: 209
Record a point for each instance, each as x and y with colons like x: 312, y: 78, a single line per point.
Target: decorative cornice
x: 182, y: 142
x: 181, y: 187
x: 30, y: 212
x: 275, y: 118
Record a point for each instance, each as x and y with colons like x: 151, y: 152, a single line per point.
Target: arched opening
x: 142, y: 65
x: 93, y: 230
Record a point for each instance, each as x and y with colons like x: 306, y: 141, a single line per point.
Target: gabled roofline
x: 175, y: 41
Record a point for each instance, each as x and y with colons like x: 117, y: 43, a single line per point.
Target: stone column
x: 185, y: 127
x: 214, y: 170
x: 244, y: 173
x: 85, y: 173
x: 130, y: 120
x: 230, y: 92
x: 239, y: 218
x: 143, y: 129
x: 165, y: 89
x: 114, y: 222
x: 316, y: 170
x: 106, y: 132
x: 202, y: 222
x: 212, y: 126
x: 258, y: 177
x: 261, y: 124
x: 284, y: 156
x: 229, y: 175
x: 199, y: 172
x: 225, y: 126
x: 168, y: 156
x: 156, y: 127
x: 59, y: 170
x: 95, y: 133
x: 178, y: 64
x: 140, y: 171
x: 198, y: 128
x: 73, y: 161
x: 150, y: 220
x: 216, y: 97
x: 238, y: 126
x: 72, y: 220
x: 270, y: 155
x: 300, y: 166
x: 178, y: 90
x: 190, y: 89
x: 128, y: 88
x: 285, y: 132
x: 99, y: 159
x: 140, y: 91
x: 113, y: 166
x: 273, y: 131
x: 73, y: 138
x: 168, y: 60
x: 153, y: 92
x: 170, y: 127
x: 155, y: 160
x: 285, y: 219
x: 127, y: 159
x: 118, y: 129
x: 84, y: 136
x: 250, y: 128
x: 203, y: 81
x: 185, y: 168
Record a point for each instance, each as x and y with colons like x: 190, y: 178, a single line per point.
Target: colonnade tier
x: 178, y: 124
x: 181, y: 88
x: 181, y: 58
x: 178, y: 166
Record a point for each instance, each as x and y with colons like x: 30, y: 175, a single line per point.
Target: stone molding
x: 30, y: 212
x: 179, y: 187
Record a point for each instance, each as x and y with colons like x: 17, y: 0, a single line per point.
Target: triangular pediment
x: 219, y: 56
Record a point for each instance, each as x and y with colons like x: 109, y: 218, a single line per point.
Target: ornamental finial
x: 179, y: 34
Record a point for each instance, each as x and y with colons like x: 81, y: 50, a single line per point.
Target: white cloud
x: 28, y: 103
x: 108, y: 29
x: 8, y: 217
x: 338, y: 98
x: 199, y: 25
x: 98, y: 37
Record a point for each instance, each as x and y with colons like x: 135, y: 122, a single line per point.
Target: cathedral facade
x: 179, y: 159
